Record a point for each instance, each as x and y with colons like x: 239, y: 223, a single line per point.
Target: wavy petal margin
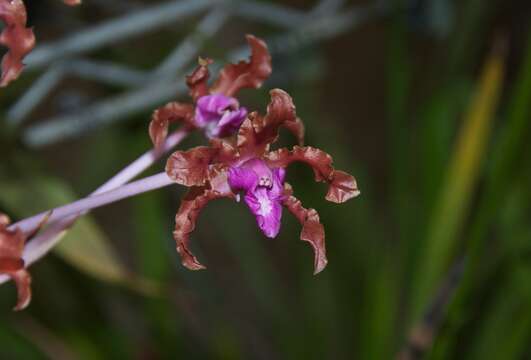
x: 245, y: 74
x: 16, y: 37
x: 198, y: 81
x: 342, y: 186
x: 258, y: 132
x: 166, y: 115
x: 190, y: 168
x: 312, y: 229
x: 192, y: 204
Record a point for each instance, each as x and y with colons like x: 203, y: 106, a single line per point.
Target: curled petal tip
x: 343, y: 187
x: 193, y: 266
x: 22, y: 280
x: 320, y: 265
x: 189, y: 261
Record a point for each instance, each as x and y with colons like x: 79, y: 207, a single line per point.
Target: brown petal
x: 257, y: 132
x: 296, y: 127
x: 280, y: 111
x: 247, y: 139
x: 224, y: 151
x: 164, y: 116
x: 11, y: 262
x: 72, y: 2
x: 342, y: 186
x: 312, y: 230
x: 185, y: 220
x: 11, y: 243
x: 190, y: 168
x: 22, y: 280
x: 198, y: 80
x: 244, y: 74
x: 16, y: 37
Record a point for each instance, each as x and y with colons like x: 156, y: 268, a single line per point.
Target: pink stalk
x: 142, y: 163
x: 44, y: 241
x: 80, y: 206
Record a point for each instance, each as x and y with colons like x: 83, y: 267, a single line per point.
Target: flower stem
x: 142, y: 163
x: 135, y: 188
x: 45, y: 240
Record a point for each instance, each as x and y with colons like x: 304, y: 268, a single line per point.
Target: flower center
x: 265, y: 181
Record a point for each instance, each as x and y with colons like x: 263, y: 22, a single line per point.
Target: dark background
x: 434, y: 257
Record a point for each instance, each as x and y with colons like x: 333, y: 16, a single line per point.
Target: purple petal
x: 228, y: 124
x: 268, y: 211
x: 242, y: 179
x: 211, y: 107
x: 259, y: 167
x: 279, y: 174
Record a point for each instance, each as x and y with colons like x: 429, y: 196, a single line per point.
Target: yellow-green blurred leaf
x: 461, y: 177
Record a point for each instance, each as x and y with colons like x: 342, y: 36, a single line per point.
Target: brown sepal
x: 224, y: 151
x: 280, y: 111
x: 342, y: 186
x: 247, y: 139
x: 11, y: 262
x: 166, y: 115
x: 190, y: 168
x: 198, y: 80
x: 296, y: 127
x: 258, y: 132
x: 251, y: 74
x: 312, y: 230
x: 16, y: 37
x: 185, y: 220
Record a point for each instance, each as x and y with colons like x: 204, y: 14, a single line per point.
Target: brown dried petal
x: 16, y: 37
x: 198, y: 80
x: 166, y: 115
x: 296, y: 127
x: 342, y: 186
x: 190, y: 168
x: 312, y: 230
x: 22, y: 280
x: 185, y: 220
x: 280, y: 111
x: 11, y: 262
x: 11, y: 244
x: 247, y: 140
x: 244, y: 74
x: 224, y: 151
x: 257, y: 132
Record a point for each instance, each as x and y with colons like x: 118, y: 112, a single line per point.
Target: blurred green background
x: 427, y: 103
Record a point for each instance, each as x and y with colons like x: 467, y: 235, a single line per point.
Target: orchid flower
x: 16, y: 37
x: 245, y: 164
x: 215, y: 110
x: 11, y: 262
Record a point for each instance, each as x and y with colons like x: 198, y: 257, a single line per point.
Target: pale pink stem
x: 142, y: 163
x: 46, y: 240
x: 137, y: 187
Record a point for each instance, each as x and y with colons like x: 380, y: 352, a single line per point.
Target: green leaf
x: 84, y: 246
x: 461, y: 177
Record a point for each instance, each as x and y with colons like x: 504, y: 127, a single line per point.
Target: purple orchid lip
x: 219, y: 115
x: 263, y: 188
